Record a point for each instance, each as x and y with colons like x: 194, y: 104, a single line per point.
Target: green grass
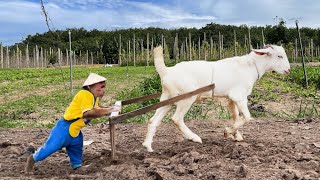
x: 48, y: 107
x: 274, y: 87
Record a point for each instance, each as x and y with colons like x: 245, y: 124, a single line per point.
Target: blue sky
x: 20, y: 18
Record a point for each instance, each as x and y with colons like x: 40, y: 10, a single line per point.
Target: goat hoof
x: 228, y: 133
x: 237, y: 136
x: 197, y: 139
x: 148, y: 147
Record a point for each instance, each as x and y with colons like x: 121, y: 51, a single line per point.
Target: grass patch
x: 41, y: 109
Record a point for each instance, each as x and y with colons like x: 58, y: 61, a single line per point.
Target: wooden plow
x: 116, y: 118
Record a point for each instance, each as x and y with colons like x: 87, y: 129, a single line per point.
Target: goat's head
x: 276, y: 58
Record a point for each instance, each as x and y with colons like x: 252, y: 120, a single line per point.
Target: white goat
x: 233, y: 78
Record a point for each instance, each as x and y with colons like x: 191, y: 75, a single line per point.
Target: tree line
x: 181, y: 43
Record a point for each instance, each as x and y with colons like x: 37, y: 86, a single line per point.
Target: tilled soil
x: 272, y: 149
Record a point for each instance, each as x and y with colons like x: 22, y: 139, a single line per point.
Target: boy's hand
x: 116, y: 108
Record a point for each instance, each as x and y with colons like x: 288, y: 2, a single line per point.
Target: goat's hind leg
x: 230, y: 132
x: 178, y: 118
x: 154, y: 122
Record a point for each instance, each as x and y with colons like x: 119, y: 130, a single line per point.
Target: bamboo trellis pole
x: 119, y: 61
x: 27, y: 56
x: 204, y: 46
x: 1, y: 55
x: 235, y: 42
x: 211, y: 48
x: 67, y: 52
x: 199, y: 48
x: 147, y: 51
x: 134, y: 50
x: 190, y: 51
x: 92, y: 57
x: 87, y: 57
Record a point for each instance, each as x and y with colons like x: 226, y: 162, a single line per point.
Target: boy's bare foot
x: 29, y: 164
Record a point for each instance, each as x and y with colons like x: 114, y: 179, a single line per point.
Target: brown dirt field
x: 272, y: 149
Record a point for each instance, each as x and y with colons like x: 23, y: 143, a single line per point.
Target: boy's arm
x: 99, y: 112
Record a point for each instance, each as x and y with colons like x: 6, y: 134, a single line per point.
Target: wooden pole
x: 46, y: 57
x: 121, y: 118
x: 204, y: 46
x: 312, y: 55
x: 190, y: 48
x: 147, y: 58
x: 296, y: 50
x: 17, y: 57
x: 34, y: 58
x: 27, y: 56
x: 20, y: 59
x: 41, y: 57
x: 246, y: 43
x: 140, y: 99
x: 91, y: 57
x: 222, y: 46
x: 211, y: 48
x: 249, y: 40
x: 262, y: 33
x: 113, y: 131
x: 187, y: 49
x: 119, y: 61
x: 129, y: 51
x: 235, y: 42
x: 152, y: 45
x: 1, y: 55
x: 162, y: 41
x: 175, y: 48
x: 7, y: 57
x: 37, y: 56
x: 134, y: 49
x: 127, y: 56
x: 302, y: 56
x: 199, y: 48
x: 75, y: 60
x: 70, y: 55
x: 67, y: 52
x: 141, y: 51
x: 220, y: 39
x: 87, y: 57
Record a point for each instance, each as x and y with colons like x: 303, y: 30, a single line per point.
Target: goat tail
x: 159, y: 61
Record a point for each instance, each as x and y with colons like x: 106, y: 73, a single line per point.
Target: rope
x: 257, y: 70
x: 47, y: 18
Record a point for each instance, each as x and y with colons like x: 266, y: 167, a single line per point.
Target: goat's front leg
x: 243, y: 108
x: 153, y: 124
x: 178, y: 118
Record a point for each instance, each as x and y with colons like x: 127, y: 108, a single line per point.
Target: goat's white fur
x: 233, y: 77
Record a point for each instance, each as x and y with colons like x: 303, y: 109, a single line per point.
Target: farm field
x: 283, y: 142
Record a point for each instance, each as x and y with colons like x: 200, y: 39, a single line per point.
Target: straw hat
x: 93, y: 79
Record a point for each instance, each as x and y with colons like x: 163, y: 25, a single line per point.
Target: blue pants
x: 59, y: 137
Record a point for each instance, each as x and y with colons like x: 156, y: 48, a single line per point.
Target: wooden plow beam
x: 115, y: 118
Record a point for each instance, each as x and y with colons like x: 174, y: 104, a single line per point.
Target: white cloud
x: 20, y: 18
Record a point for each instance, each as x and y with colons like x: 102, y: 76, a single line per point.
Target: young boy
x: 67, y: 131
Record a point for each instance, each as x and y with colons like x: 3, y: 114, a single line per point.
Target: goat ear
x: 262, y: 52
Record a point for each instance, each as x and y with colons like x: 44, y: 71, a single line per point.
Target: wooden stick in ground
x: 112, y: 132
x: 121, y: 118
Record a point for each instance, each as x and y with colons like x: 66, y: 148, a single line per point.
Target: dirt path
x: 272, y: 149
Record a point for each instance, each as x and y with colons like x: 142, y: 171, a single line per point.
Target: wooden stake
x: 113, y: 132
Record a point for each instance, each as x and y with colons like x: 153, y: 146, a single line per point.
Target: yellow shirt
x: 82, y: 102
